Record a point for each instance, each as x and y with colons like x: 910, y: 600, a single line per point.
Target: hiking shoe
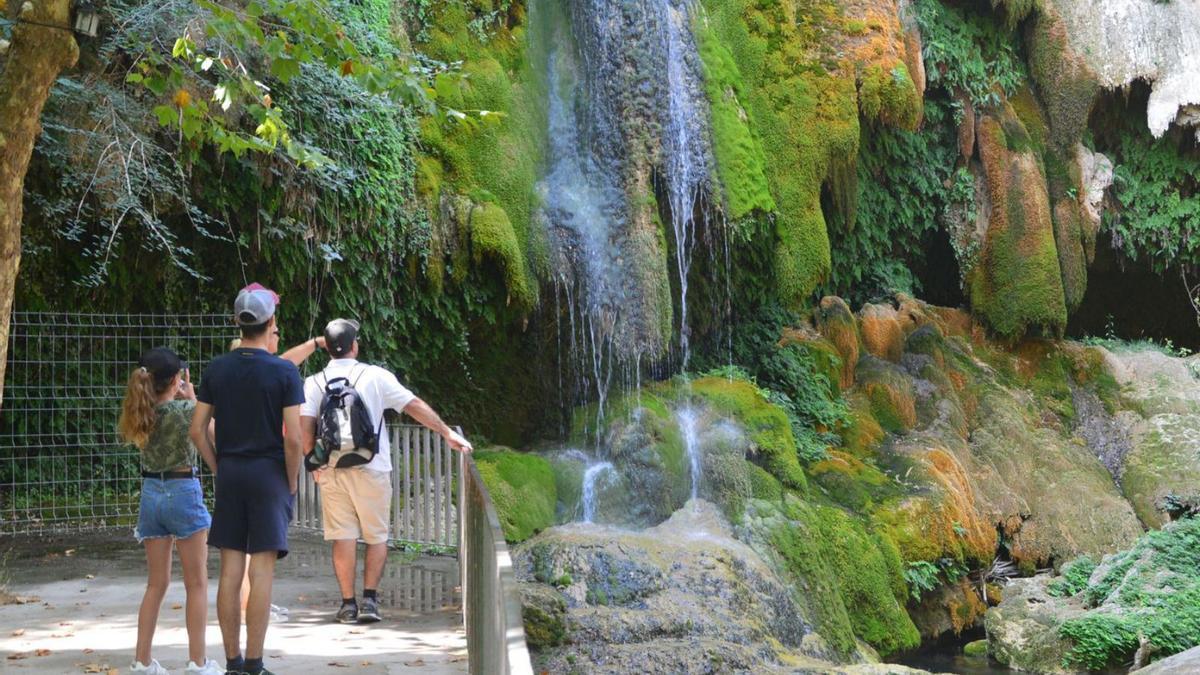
x: 278, y: 614
x: 210, y: 667
x: 369, y: 612
x: 348, y: 613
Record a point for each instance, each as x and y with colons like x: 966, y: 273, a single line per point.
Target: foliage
x: 1158, y: 216
x: 1179, y: 506
x: 923, y: 576
x: 906, y: 182
x: 1150, y: 591
x: 969, y: 52
x: 1074, y: 577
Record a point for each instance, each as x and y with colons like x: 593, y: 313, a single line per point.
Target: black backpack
x: 345, y: 433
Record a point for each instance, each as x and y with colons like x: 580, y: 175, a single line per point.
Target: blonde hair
x: 137, y: 410
x: 235, y: 343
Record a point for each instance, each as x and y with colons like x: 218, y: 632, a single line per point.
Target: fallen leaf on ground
x: 335, y: 664
x: 16, y: 656
x: 92, y: 668
x: 89, y: 650
x: 18, y: 632
x: 42, y: 652
x: 113, y: 671
x: 177, y: 606
x: 418, y: 662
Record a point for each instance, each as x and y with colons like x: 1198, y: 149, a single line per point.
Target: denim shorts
x: 171, y: 508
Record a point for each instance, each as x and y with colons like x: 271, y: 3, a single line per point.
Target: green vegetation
x: 854, y: 586
x: 1149, y: 591
x: 906, y: 182
x: 967, y: 51
x: 1074, y: 577
x: 521, y: 486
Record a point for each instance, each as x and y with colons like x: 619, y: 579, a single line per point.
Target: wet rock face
x: 684, y: 596
x: 1023, y: 629
x: 1163, y: 394
x: 1111, y: 37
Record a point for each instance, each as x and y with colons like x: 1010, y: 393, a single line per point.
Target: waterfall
x: 627, y: 119
x: 590, y: 476
x: 687, y: 427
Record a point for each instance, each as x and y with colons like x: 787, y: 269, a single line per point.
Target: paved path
x: 80, y: 609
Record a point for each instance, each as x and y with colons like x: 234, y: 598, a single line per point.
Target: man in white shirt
x: 356, y: 502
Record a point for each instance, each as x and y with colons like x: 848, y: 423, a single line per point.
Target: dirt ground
x: 77, y: 600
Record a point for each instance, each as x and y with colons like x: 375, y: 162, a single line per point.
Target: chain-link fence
x: 62, y: 465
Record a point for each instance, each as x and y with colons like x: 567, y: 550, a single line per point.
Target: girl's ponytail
x: 137, y: 411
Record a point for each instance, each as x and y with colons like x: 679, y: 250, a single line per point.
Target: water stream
x: 687, y: 427
x: 590, y: 478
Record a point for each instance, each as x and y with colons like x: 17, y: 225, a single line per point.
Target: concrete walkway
x: 78, y: 600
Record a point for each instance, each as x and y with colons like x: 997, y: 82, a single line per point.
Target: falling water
x: 687, y: 426
x: 590, y: 476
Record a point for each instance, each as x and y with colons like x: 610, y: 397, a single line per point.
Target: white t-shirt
x: 379, y: 389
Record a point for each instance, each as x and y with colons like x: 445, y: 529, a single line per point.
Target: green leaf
x: 166, y: 115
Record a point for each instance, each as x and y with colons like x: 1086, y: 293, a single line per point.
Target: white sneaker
x: 210, y: 667
x: 154, y: 668
x: 278, y: 614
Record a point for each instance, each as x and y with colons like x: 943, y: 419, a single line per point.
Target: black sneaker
x: 370, y: 611
x: 348, y: 613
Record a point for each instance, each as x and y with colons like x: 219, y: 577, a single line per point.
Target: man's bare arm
x: 308, y: 433
x: 198, y: 432
x: 420, y: 411
x: 293, y: 453
x: 300, y: 353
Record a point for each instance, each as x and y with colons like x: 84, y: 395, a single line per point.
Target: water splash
x: 687, y: 426
x: 590, y: 478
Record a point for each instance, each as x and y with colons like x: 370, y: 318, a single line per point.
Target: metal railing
x: 491, y: 601
x: 424, y: 505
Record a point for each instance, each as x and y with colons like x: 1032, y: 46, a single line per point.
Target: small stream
x: 945, y: 655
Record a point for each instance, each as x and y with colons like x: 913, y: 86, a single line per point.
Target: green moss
x: 890, y: 393
x: 492, y: 237
x: 976, y: 649
x: 1074, y: 577
x: 502, y: 155
x: 851, y: 584
x: 804, y: 113
x: 522, y: 489
x: 739, y: 156
x: 1064, y: 82
x: 768, y: 426
x: 1018, y: 284
x: 763, y: 485
x: 889, y: 96
x: 827, y: 361
x: 851, y: 482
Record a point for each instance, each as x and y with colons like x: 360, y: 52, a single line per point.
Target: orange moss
x: 958, y: 504
x: 881, y: 333
x: 964, y: 606
x: 953, y: 321
x: 837, y: 324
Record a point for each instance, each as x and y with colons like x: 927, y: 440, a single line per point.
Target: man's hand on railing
x: 457, y: 442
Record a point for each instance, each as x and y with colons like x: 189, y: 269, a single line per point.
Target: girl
x: 155, y: 417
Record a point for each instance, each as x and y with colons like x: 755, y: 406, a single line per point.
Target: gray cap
x: 253, y: 307
x: 340, y: 335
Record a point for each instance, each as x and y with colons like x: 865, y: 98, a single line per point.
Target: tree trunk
x: 37, y: 54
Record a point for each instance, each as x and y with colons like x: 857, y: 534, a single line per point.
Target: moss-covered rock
x: 838, y: 325
x: 544, y: 612
x: 882, y: 334
x: 1017, y: 284
x: 522, y: 489
x: 890, y: 391
x: 767, y: 425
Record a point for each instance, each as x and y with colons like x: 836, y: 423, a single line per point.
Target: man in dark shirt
x: 253, y: 396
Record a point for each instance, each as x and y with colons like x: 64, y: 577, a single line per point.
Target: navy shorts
x: 253, y: 505
x: 171, y: 508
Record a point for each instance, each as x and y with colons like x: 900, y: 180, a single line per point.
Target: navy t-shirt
x: 248, y: 390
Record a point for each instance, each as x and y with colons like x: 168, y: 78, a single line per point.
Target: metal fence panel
x: 423, y: 491
x: 62, y: 466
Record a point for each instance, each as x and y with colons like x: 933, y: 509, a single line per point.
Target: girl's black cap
x: 161, y: 362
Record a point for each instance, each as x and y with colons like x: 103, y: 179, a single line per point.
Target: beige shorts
x: 356, y: 504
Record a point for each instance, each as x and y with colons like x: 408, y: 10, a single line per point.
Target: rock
x: 976, y: 650
x: 1022, y: 631
x: 881, y: 333
x: 544, y: 612
x: 1109, y: 36
x: 678, y: 597
x: 837, y: 324
x: 1183, y: 663
x: 1163, y: 393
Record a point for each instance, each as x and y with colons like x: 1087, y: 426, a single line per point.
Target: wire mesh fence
x: 62, y: 465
